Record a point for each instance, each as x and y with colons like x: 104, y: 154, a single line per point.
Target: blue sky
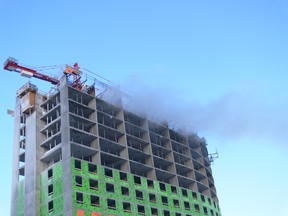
x: 221, y: 63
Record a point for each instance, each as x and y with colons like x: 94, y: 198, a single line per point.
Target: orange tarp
x: 80, y: 212
x: 95, y: 214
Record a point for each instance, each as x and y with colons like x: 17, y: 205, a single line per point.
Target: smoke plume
x: 243, y: 112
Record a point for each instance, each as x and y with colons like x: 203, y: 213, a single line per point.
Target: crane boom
x: 11, y: 64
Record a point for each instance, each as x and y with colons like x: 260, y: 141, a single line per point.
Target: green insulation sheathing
x: 175, y: 202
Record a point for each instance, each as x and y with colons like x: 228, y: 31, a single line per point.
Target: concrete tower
x: 76, y: 154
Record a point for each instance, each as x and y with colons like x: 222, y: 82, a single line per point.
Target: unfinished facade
x: 75, y: 154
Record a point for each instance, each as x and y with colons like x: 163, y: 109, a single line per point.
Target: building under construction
x: 77, y: 154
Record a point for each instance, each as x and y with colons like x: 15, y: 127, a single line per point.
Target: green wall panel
x: 20, y: 201
x: 143, y: 187
x: 56, y: 194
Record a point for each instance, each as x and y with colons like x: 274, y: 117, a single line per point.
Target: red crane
x: 11, y: 64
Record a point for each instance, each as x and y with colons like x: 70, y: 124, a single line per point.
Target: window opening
x: 108, y: 173
x: 154, y: 211
x: 126, y: 207
x: 164, y: 200
x: 110, y: 188
x: 50, y: 189
x: 141, y: 209
x: 111, y: 204
x: 50, y: 173
x: 125, y: 191
x: 139, y: 195
x: 186, y: 205
x: 123, y: 176
x: 202, y: 198
x: 162, y: 187
x: 176, y: 203
x: 94, y: 200
x: 92, y: 168
x: 174, y: 189
x: 194, y: 195
x: 77, y: 164
x: 78, y: 180
x: 152, y: 198
x: 137, y: 180
x: 197, y: 208
x: 184, y: 192
x: 209, y: 201
x: 166, y: 213
x: 205, y: 210
x: 79, y: 198
x: 93, y: 183
x: 50, y: 206
x: 150, y: 183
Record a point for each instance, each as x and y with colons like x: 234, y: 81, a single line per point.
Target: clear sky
x: 217, y: 67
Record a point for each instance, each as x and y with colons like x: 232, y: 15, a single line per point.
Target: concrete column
x: 66, y: 147
x: 31, y: 166
x: 15, y: 169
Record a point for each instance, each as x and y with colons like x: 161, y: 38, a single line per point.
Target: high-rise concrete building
x: 76, y: 154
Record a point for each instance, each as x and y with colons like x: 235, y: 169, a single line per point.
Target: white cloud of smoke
x: 240, y: 113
